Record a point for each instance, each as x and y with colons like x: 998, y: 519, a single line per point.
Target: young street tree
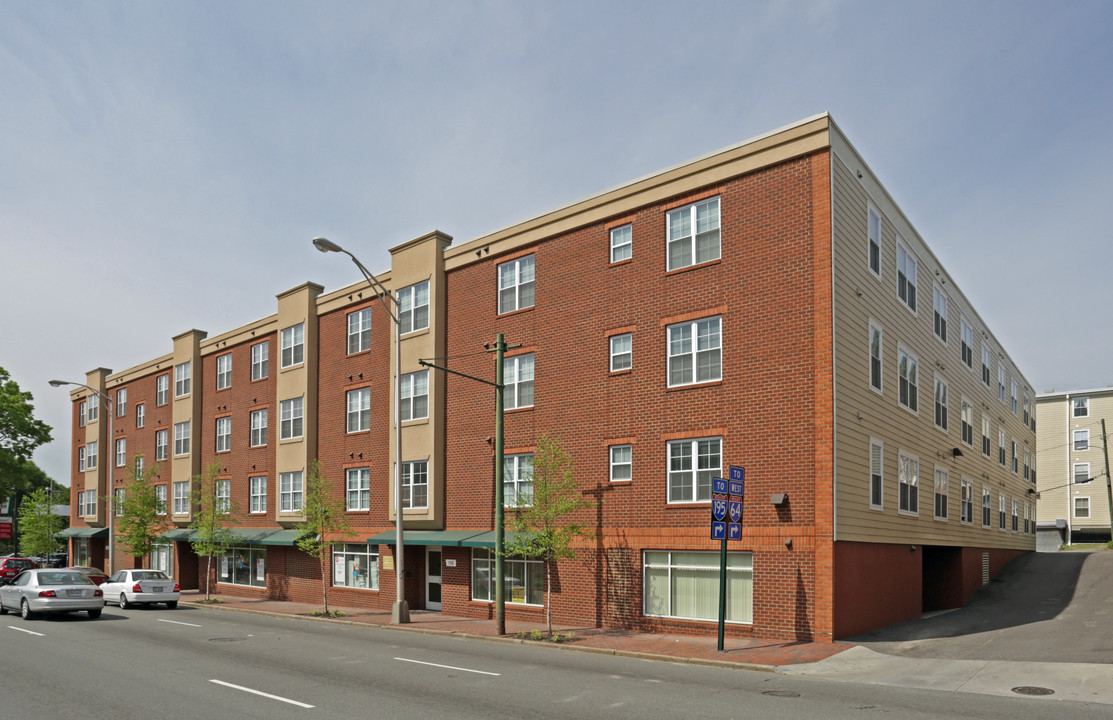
x: 142, y: 515
x: 212, y: 514
x: 38, y: 525
x: 20, y: 432
x: 324, y: 523
x: 544, y: 528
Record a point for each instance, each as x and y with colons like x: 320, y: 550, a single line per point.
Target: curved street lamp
x: 110, y: 498
x: 401, y: 611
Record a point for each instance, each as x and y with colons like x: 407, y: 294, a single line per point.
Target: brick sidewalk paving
x: 753, y: 654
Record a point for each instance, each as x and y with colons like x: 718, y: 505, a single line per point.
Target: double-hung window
x: 82, y: 413
x: 1001, y: 382
x: 1081, y: 407
x: 987, y: 360
x: 359, y: 410
x: 1027, y: 465
x: 517, y: 480
x: 223, y: 434
x: 1016, y: 516
x: 907, y: 371
x: 224, y: 371
x: 140, y: 415
x: 259, y: 427
x: 161, y: 443
x: 517, y: 378
x: 987, y: 506
x: 293, y: 345
x: 290, y: 491
x: 290, y: 419
x: 874, y: 233
x: 258, y: 494
x: 906, y: 276
x: 1081, y: 440
x: 967, y: 422
x: 81, y: 459
x: 260, y: 360
x: 181, y: 438
x: 516, y: 284
x: 359, y: 488
x: 1014, y: 458
x: 693, y: 234
x: 622, y: 463
x: 987, y: 434
x: 877, y: 477
x: 875, y: 357
x: 223, y: 500
x: 622, y: 352
x: 692, y: 464
x: 415, y: 396
x: 183, y: 376
x: 1082, y: 473
x: 966, y: 509
x: 695, y: 352
x: 940, y: 403
x: 181, y: 497
x: 121, y: 452
x: 1081, y: 507
x: 941, y: 482
x: 622, y: 247
x: 908, y: 481
x: 162, y: 389
x: 413, y: 307
x: 967, y: 344
x: 139, y: 466
x: 1001, y: 513
x: 94, y: 408
x: 91, y: 455
x: 1001, y: 445
x: 939, y: 307
x: 121, y: 402
x: 415, y: 484
x: 359, y: 331
x: 160, y: 499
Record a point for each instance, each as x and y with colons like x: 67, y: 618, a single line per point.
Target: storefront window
x: 244, y: 566
x: 355, y: 566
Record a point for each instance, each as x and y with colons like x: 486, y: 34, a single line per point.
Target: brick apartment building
x: 766, y: 306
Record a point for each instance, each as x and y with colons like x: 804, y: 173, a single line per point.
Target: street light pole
x: 400, y: 613
x: 110, y: 499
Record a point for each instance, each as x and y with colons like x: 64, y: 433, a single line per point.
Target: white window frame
x: 92, y: 455
x: 260, y: 360
x: 1081, y: 440
x: 987, y: 436
x: 139, y: 463
x: 1085, y: 515
x: 415, y: 396
x: 667, y: 574
x: 140, y: 414
x: 691, y: 464
x: 356, y: 566
x: 118, y: 501
x: 621, y: 462
x: 291, y: 489
x: 413, y: 307
x: 357, y: 496
x: 82, y: 463
x: 941, y: 495
x: 1080, y: 404
x: 259, y: 422
x: 516, y: 280
x: 987, y: 508
x: 622, y: 352
x: 691, y: 342
x: 358, y: 416
x: 1001, y: 376
x: 258, y: 494
x: 162, y: 444
x: 1083, y: 469
x: 906, y: 275
x: 966, y: 427
x: 82, y: 413
x: 224, y: 434
x: 121, y: 402
x: 517, y: 480
x: 873, y: 240
x: 1016, y: 515
x: 1002, y: 513
x: 291, y: 419
x: 162, y: 389
x: 359, y: 331
x: 1014, y: 458
x: 939, y: 314
x: 518, y: 373
x: 181, y: 497
x: 121, y: 452
x: 908, y: 484
x: 684, y: 234
x: 183, y: 379
x: 908, y: 378
x: 877, y: 474
x: 93, y: 410
x: 967, y: 344
x: 966, y: 502
x: 415, y: 484
x: 292, y: 344
x: 222, y: 496
x: 1014, y: 402
x: 1002, y: 447
x: 527, y: 571
x: 876, y: 345
x: 224, y: 371
x: 182, y: 438
x: 942, y: 408
x: 622, y: 242
x: 160, y: 499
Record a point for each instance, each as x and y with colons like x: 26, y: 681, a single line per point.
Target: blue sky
x: 163, y: 165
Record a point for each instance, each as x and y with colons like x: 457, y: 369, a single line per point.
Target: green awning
x: 83, y: 532
x: 253, y: 536
x: 280, y: 537
x: 178, y: 535
x: 487, y: 539
x: 445, y: 538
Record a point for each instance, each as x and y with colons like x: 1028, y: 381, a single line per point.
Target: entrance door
x: 432, y: 578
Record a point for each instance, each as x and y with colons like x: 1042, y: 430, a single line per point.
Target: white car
x: 140, y: 587
x: 40, y: 590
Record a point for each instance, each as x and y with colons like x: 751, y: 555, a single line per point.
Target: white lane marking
x: 29, y: 632
x: 448, y: 667
x: 261, y: 693
x: 178, y: 622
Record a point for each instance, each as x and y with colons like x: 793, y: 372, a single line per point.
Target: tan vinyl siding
x: 861, y: 413
x: 1057, y: 456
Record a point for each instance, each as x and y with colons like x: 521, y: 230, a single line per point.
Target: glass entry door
x: 432, y: 578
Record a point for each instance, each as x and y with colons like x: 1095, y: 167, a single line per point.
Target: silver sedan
x: 44, y: 590
x: 138, y: 587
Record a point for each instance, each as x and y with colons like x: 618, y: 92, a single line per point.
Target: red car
x: 97, y: 576
x: 12, y: 566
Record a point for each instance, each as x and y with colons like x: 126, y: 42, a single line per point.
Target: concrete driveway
x: 1042, y: 607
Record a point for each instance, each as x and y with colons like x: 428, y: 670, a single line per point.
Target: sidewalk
x: 741, y: 653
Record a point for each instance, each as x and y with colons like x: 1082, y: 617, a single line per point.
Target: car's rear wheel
x: 3, y: 610
x: 172, y: 604
x: 94, y: 614
x: 25, y: 610
x: 124, y: 604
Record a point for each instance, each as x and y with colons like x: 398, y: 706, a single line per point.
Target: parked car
x: 57, y: 560
x: 97, y: 576
x: 12, y: 566
x: 43, y: 590
x: 141, y: 587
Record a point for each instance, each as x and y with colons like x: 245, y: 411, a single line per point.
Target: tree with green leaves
x: 20, y: 433
x: 38, y: 524
x: 141, y: 514
x: 545, y: 528
x: 324, y: 522
x: 22, y: 480
x: 212, y: 518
